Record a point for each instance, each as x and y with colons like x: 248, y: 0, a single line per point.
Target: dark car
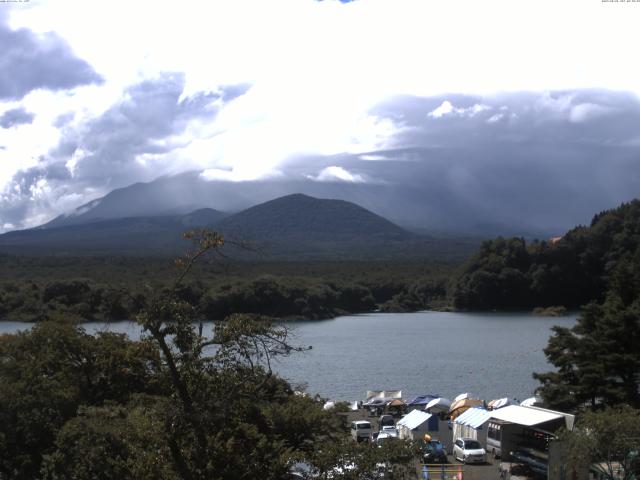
x: 387, y: 420
x: 434, y: 452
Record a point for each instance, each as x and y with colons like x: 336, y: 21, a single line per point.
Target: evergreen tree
x: 598, y: 360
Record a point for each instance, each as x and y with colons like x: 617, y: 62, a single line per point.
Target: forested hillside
x: 118, y: 288
x: 570, y: 271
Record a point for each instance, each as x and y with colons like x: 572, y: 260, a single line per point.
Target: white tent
x: 499, y: 403
x: 532, y: 402
x: 472, y: 424
x: 464, y: 396
x: 532, y: 416
x: 378, y: 396
x: 414, y: 425
x: 438, y: 405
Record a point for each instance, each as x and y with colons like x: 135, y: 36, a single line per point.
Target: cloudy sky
x: 496, y: 104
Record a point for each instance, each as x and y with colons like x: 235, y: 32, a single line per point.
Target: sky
x: 493, y: 104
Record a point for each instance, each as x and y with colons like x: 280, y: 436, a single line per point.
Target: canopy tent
x: 532, y: 402
x: 474, y: 417
x: 532, y: 416
x: 415, y: 424
x: 414, y: 419
x: 388, y: 394
x: 471, y: 424
x: 466, y: 395
x: 499, y: 403
x: 421, y: 401
x: 460, y: 406
x: 438, y: 404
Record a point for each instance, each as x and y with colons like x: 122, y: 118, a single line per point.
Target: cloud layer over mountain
x: 541, y: 132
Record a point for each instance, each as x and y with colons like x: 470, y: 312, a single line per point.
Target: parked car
x: 434, y: 452
x: 386, y: 420
x: 391, y: 430
x: 361, y: 430
x: 384, y: 437
x: 468, y: 450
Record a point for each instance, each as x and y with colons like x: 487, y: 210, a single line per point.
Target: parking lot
x: 487, y: 471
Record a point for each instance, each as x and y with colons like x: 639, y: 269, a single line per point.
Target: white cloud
x: 444, y: 109
x: 447, y: 109
x: 372, y: 157
x: 316, y: 70
x: 335, y: 173
x: 588, y: 111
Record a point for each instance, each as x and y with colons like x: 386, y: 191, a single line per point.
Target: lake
x: 443, y: 353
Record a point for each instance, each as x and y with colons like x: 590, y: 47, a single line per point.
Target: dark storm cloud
x: 513, y: 163
x: 17, y: 116
x: 29, y: 61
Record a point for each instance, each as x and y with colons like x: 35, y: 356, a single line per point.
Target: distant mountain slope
x: 300, y: 215
x: 414, y: 206
x: 132, y: 235
x: 292, y: 227
x: 166, y: 196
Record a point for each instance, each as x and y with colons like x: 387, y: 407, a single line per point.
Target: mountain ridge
x: 295, y: 226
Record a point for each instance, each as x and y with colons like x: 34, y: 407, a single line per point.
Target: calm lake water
x: 440, y: 353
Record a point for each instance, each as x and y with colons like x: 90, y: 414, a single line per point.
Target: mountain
x: 299, y: 215
x: 416, y: 206
x: 166, y: 196
x: 132, y: 235
x: 295, y: 226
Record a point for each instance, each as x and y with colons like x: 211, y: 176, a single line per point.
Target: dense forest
x: 167, y: 407
x: 569, y: 271
x: 598, y: 360
x: 504, y: 274
x: 182, y: 403
x: 118, y: 288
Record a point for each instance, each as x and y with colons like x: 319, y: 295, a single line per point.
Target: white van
x: 361, y: 430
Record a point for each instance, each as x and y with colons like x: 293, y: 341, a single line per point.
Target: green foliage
x: 111, y: 289
x: 598, y: 360
x: 495, y: 277
x: 573, y: 271
x: 349, y: 460
x: 48, y: 372
x: 111, y: 442
x: 605, y: 442
x: 423, y: 294
x: 275, y: 297
x: 183, y: 403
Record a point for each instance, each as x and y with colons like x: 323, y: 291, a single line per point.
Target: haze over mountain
x: 293, y: 227
x: 439, y: 136
x: 517, y: 164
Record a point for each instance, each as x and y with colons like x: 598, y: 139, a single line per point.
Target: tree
x: 598, y: 360
x: 47, y: 373
x: 187, y: 402
x: 605, y: 442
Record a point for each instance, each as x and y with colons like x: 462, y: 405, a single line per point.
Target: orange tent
x: 461, y: 406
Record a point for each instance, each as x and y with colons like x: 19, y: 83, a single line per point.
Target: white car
x: 361, y: 430
x: 384, y: 437
x: 468, y: 450
x: 390, y: 430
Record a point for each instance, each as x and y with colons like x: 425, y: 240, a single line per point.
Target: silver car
x: 468, y: 450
